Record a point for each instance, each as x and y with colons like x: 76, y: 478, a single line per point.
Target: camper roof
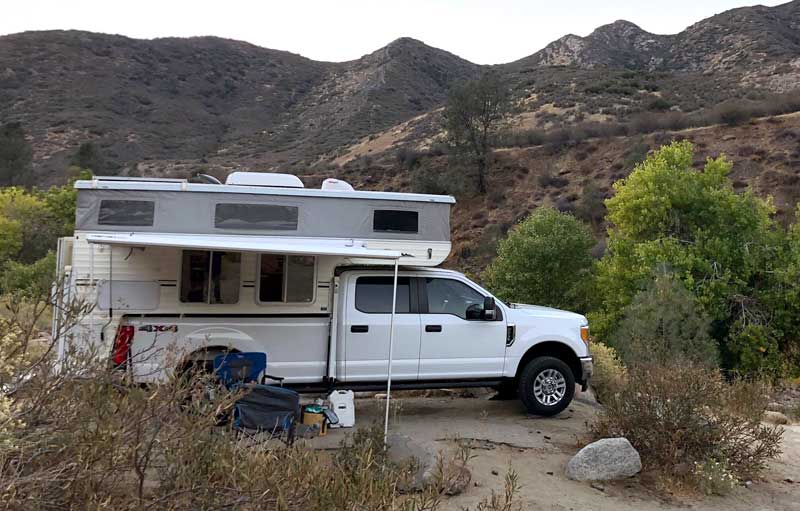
x: 181, y: 185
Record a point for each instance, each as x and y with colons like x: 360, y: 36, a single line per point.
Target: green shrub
x: 754, y: 350
x: 548, y: 178
x: 733, y: 113
x: 719, y: 243
x: 450, y: 180
x: 677, y: 416
x: 545, y: 260
x: 659, y: 105
x: 28, y: 280
x: 609, y: 372
x: 591, y: 208
x: 662, y: 325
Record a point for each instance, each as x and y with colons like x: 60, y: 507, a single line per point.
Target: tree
x: 591, y: 208
x: 544, y: 260
x: 88, y: 157
x: 31, y: 221
x: 473, y: 115
x: 16, y: 156
x: 663, y: 325
x: 666, y: 214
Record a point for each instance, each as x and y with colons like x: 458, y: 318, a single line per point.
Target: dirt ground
x: 538, y: 450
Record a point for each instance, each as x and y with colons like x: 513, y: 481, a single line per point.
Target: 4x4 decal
x: 158, y: 328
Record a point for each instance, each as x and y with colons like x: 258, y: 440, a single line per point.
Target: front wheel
x: 546, y: 386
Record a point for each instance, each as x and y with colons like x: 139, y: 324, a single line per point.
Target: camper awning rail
x: 268, y: 244
x: 159, y: 185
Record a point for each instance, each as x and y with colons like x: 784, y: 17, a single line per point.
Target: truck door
x: 366, y: 329
x: 453, y: 347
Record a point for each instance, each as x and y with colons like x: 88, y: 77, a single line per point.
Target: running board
x: 396, y: 385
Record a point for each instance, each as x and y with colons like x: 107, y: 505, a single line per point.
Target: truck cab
x: 451, y: 331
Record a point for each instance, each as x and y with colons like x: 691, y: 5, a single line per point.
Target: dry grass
x: 76, y: 436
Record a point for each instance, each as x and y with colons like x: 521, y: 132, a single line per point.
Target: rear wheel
x: 546, y: 386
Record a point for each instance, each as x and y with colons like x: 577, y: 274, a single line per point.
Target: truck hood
x: 521, y: 310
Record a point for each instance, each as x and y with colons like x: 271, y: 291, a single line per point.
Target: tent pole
x: 391, y: 350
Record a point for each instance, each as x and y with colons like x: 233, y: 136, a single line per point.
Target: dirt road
x: 539, y: 448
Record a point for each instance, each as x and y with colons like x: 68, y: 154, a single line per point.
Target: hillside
x: 765, y: 154
x: 175, y: 106
x: 164, y: 104
x: 190, y: 99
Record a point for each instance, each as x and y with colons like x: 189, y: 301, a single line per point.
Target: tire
x: 546, y: 386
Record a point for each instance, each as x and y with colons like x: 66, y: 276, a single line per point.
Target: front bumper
x: 587, y: 369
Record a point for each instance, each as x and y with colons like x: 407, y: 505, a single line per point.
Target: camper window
x: 269, y: 217
x: 288, y: 279
x: 137, y: 213
x: 389, y: 220
x: 210, y: 277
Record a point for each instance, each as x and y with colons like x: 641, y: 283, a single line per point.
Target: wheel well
x: 555, y: 349
x: 204, y: 355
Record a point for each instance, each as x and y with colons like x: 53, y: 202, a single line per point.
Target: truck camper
x: 340, y: 288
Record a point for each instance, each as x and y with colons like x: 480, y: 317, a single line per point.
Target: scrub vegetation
x: 75, y: 436
x: 694, y: 309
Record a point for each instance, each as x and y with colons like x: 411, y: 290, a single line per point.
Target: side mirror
x: 474, y: 312
x: 489, y: 308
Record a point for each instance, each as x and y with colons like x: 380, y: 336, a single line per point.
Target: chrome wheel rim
x: 549, y: 387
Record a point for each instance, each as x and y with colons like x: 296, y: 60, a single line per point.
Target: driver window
x: 447, y: 296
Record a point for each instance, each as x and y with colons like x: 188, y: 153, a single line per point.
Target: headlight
x: 585, y: 334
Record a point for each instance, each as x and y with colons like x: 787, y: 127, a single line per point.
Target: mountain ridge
x: 151, y: 105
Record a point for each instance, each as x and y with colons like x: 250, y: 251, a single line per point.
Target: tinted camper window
x: 269, y: 217
x: 374, y: 295
x: 288, y: 279
x: 389, y: 220
x: 210, y: 277
x: 126, y: 212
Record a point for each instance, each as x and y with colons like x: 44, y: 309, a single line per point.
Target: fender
x: 206, y: 343
x: 552, y: 348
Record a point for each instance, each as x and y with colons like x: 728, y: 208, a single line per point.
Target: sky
x: 482, y: 31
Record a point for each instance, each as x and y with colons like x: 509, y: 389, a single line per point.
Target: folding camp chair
x: 247, y: 367
x: 262, y: 408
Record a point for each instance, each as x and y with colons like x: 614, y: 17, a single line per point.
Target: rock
x: 775, y: 418
x: 748, y: 484
x: 403, y: 448
x: 605, y: 460
x: 495, y: 473
x: 776, y: 407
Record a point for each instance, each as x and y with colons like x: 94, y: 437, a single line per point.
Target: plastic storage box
x: 343, y: 403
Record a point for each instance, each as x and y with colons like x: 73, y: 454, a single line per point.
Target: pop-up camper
x: 180, y: 272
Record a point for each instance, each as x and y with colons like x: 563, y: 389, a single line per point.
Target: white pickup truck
x: 449, y: 332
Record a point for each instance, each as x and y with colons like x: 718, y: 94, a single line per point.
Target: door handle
x: 359, y: 329
x: 433, y: 328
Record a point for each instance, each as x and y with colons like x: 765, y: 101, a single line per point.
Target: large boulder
x: 605, y: 460
x: 776, y: 418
